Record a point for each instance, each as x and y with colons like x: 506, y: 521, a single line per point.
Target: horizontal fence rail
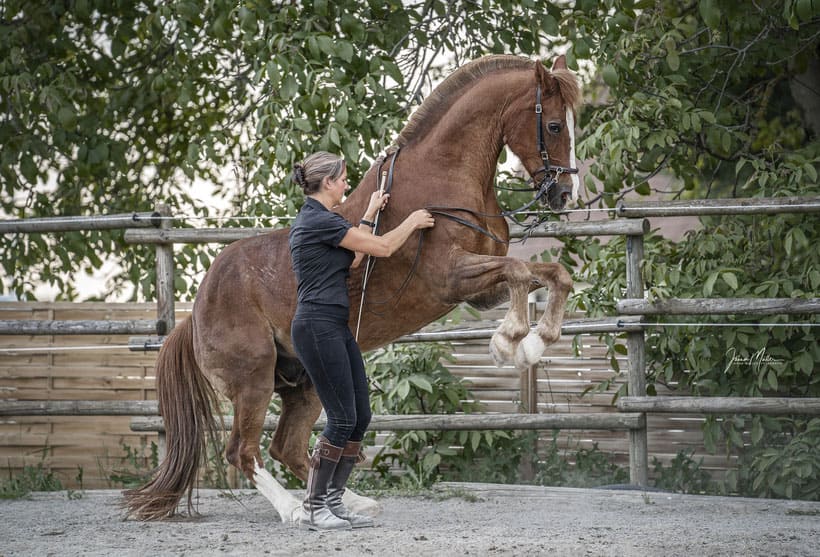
x: 705, y: 207
x: 82, y: 327
x: 569, y: 327
x: 69, y: 224
x: 455, y: 422
x: 227, y: 235
x: 79, y: 408
x: 151, y: 421
x: 721, y: 405
x: 719, y: 306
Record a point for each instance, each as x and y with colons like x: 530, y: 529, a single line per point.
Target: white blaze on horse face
x: 576, y: 182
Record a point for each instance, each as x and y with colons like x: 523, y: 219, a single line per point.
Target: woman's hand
x: 421, y: 219
x: 378, y: 201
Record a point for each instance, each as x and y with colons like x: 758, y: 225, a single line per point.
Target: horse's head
x: 541, y: 132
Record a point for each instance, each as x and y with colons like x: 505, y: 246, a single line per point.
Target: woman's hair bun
x: 299, y: 175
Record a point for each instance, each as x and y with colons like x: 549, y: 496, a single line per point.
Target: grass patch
x: 30, y: 478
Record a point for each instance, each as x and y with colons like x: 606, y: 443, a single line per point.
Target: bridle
x: 551, y: 172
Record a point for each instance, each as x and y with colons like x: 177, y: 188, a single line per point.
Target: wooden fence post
x: 638, y: 459
x: 165, y: 277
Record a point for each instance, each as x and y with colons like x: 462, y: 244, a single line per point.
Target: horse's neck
x: 460, y: 149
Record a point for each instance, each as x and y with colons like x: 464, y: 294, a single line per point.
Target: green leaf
x: 805, y: 363
x: 610, y: 75
x: 710, y: 13
x: 403, y: 388
x: 730, y: 279
x: 757, y: 431
x: 709, y: 284
x: 344, y: 50
x: 289, y: 87
x: 673, y: 61
x: 342, y: 115
x: 772, y: 379
x: 803, y: 9
x: 302, y: 124
x: 193, y: 153
x: 421, y: 382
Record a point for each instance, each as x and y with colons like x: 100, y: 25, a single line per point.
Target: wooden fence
x: 543, y: 387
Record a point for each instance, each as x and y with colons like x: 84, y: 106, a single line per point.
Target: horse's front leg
x: 471, y: 276
x: 559, y: 284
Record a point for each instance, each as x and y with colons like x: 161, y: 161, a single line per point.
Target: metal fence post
x: 638, y: 459
x: 165, y: 277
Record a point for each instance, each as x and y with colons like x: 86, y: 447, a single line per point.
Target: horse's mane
x: 442, y: 96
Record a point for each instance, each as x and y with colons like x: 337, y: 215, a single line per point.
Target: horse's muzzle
x: 557, y: 196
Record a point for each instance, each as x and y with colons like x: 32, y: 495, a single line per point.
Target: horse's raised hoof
x: 529, y: 351
x: 502, y: 349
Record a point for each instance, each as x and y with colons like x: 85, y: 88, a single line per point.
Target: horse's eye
x: 554, y: 127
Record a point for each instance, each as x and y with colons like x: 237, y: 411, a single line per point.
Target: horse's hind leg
x: 300, y: 410
x: 250, y: 403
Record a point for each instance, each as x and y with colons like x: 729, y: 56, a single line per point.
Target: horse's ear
x: 560, y: 63
x: 541, y: 73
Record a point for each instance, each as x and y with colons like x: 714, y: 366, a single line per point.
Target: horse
x: 237, y: 340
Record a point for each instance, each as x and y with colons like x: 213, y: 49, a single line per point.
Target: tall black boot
x: 336, y: 488
x: 315, y: 513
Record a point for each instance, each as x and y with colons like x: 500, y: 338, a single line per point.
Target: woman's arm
x: 384, y: 246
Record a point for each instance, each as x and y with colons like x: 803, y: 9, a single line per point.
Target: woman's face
x: 339, y: 186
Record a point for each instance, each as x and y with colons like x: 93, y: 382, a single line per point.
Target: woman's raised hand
x: 378, y: 201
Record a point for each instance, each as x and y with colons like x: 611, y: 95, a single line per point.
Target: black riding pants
x: 331, y: 356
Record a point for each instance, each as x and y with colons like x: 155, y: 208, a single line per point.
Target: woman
x: 323, y: 246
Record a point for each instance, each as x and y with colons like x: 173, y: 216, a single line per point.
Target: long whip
x: 367, y: 266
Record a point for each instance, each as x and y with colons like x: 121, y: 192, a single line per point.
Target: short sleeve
x: 332, y: 228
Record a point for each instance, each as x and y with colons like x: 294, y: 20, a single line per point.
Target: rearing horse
x: 237, y: 340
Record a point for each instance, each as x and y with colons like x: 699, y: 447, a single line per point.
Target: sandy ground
x: 489, y: 520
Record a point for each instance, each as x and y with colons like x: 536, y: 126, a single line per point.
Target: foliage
x: 707, y: 92
x: 697, y: 89
x: 411, y: 379
x: 580, y: 468
x: 31, y: 478
x: 784, y: 463
x: 112, y: 107
x: 683, y: 475
x: 135, y: 468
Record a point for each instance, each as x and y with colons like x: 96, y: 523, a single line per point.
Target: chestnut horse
x: 238, y: 337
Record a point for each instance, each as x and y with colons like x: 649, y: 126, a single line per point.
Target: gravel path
x: 483, y: 520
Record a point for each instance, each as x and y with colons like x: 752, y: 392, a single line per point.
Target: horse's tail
x: 186, y: 403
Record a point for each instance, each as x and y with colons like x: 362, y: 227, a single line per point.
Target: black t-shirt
x: 321, y: 266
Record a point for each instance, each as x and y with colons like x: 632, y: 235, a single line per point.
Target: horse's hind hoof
x: 360, y: 504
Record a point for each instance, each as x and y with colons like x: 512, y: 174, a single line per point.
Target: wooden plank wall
x: 95, y: 444
x: 72, y: 372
